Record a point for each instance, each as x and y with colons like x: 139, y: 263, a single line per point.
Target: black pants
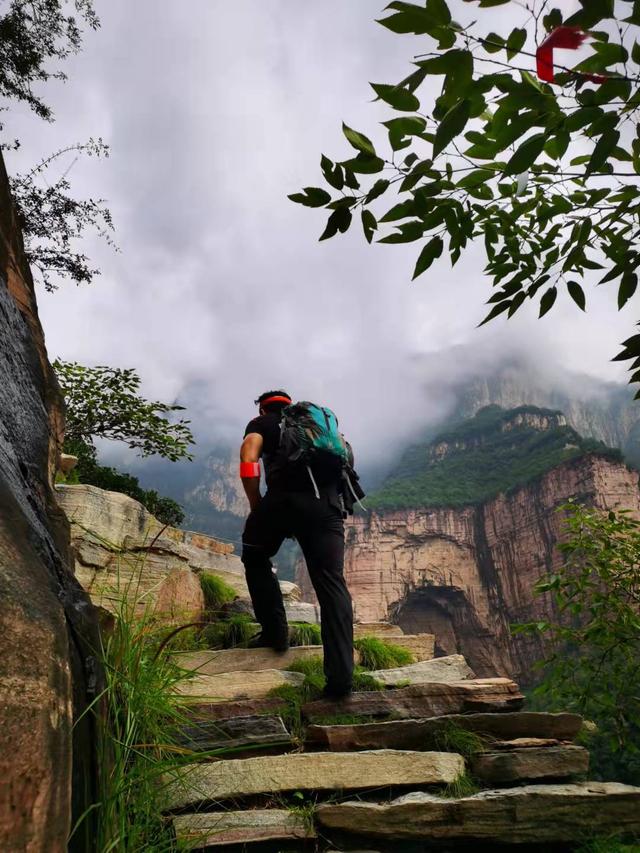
x: 317, y: 525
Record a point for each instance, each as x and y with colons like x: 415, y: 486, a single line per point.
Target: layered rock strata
x: 48, y: 673
x: 466, y: 574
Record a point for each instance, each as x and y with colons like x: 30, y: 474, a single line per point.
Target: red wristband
x: 249, y: 470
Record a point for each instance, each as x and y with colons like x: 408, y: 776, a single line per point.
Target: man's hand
x: 251, y: 451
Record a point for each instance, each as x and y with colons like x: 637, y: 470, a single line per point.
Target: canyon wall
x: 47, y: 628
x: 466, y: 574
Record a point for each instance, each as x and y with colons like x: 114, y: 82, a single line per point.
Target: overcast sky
x: 215, y: 110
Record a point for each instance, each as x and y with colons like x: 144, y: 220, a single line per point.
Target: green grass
x: 489, y: 460
x: 378, y: 654
x: 234, y: 632
x: 304, y: 634
x: 294, y: 697
x: 453, y: 738
x: 216, y: 592
x: 137, y: 716
x: 464, y: 786
x: 607, y: 845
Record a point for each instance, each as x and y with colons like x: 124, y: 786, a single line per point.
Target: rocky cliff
x: 465, y: 574
x: 48, y: 673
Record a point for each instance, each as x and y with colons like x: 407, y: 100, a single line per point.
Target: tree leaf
x: 427, y: 256
x: 359, y: 140
x: 363, y: 164
x: 380, y: 186
x: 497, y: 309
x: 339, y: 220
x: 515, y: 42
x: 369, y: 224
x: 627, y: 288
x: 548, y: 298
x: 399, y: 99
x: 577, y: 294
x: 333, y: 176
x: 526, y: 155
x: 312, y: 197
x: 603, y: 148
x: 451, y: 125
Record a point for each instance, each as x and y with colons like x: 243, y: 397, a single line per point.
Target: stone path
x: 382, y: 768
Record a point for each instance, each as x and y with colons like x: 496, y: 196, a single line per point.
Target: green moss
x: 377, y: 654
x: 488, y: 460
x: 216, y: 592
x: 304, y: 634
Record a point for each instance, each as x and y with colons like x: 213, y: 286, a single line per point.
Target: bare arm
x: 251, y: 451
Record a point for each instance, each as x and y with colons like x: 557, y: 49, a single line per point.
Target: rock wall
x: 47, y: 625
x: 466, y: 574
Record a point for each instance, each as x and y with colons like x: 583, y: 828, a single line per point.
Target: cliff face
x: 47, y: 670
x: 466, y: 574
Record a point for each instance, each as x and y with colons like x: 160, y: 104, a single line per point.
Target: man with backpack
x: 310, y: 488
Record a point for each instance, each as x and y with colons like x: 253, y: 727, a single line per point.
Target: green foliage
x: 52, y: 220
x: 105, y: 402
x: 138, y: 715
x: 216, y: 592
x: 234, y: 632
x: 608, y: 845
x: 378, y: 654
x: 32, y: 34
x: 545, y: 175
x: 187, y: 640
x: 454, y: 738
x: 593, y: 666
x: 166, y: 510
x: 464, y: 786
x: 294, y: 697
x: 304, y: 634
x: 484, y: 457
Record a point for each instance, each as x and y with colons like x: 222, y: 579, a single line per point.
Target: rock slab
x: 426, y: 700
x: 529, y: 814
x: 444, y: 669
x: 529, y: 764
x: 238, y: 660
x: 419, y: 734
x: 214, y: 829
x: 239, y: 734
x: 319, y: 771
x: 237, y: 685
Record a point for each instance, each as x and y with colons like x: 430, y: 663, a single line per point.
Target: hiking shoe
x: 336, y: 694
x: 263, y: 641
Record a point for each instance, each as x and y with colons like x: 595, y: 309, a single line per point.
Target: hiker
x: 308, y: 495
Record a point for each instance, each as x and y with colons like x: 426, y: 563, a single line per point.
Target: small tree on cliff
x: 539, y: 161
x: 35, y: 38
x: 594, y: 663
x: 104, y: 402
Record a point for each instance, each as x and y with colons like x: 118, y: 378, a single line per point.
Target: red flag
x: 568, y: 37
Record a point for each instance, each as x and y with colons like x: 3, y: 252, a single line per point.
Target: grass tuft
x: 304, y: 634
x: 464, y: 786
x: 377, y: 654
x: 607, y: 845
x: 234, y: 632
x: 216, y: 592
x: 453, y: 738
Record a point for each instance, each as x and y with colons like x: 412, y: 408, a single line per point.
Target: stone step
x: 444, y: 669
x: 533, y: 814
x: 209, y: 711
x: 309, y: 771
x: 421, y: 646
x: 418, y: 734
x: 301, y: 611
x: 290, y: 591
x: 237, y: 685
x: 243, y: 660
x: 382, y: 630
x: 215, y: 829
x: 425, y: 700
x: 531, y: 764
x: 240, y: 734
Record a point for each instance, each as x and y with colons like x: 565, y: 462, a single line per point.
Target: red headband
x: 276, y: 399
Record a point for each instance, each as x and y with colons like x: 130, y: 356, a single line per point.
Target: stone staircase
x: 434, y: 757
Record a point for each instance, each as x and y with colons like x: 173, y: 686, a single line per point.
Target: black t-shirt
x: 280, y: 474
